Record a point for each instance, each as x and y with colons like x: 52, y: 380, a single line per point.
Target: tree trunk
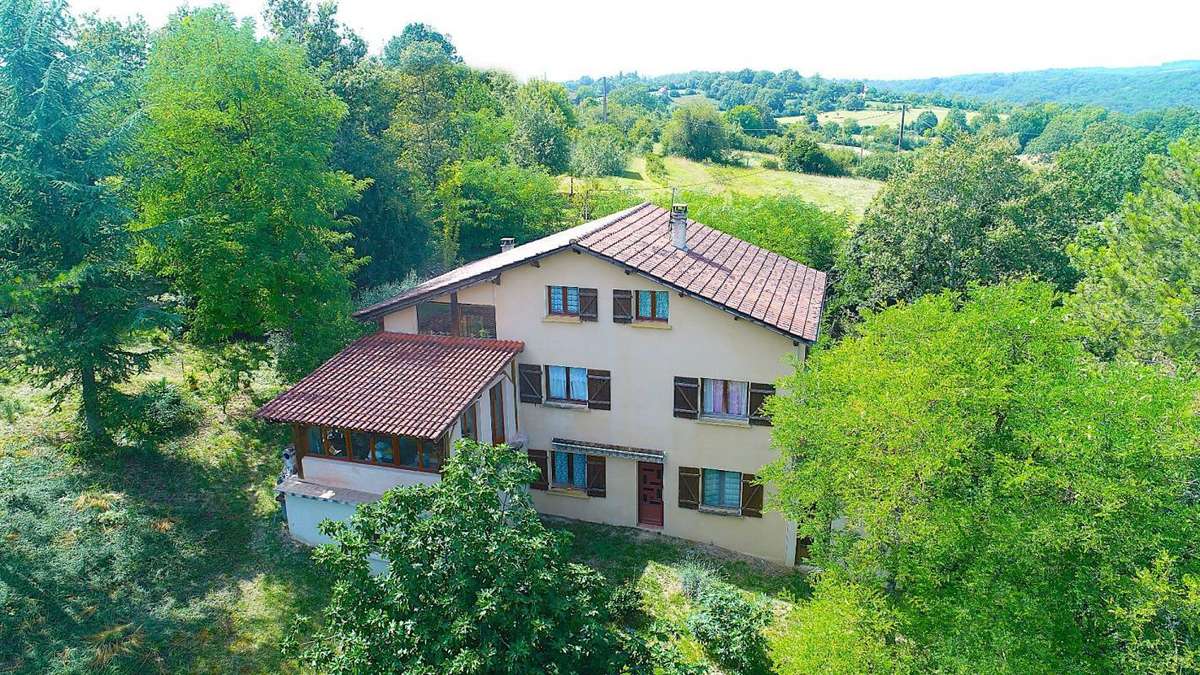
x: 90, y: 403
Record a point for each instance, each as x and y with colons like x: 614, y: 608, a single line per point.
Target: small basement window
x: 722, y: 489
x: 653, y: 305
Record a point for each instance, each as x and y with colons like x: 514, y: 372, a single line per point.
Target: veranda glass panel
x: 383, y: 450
x: 360, y: 446
x: 408, y: 451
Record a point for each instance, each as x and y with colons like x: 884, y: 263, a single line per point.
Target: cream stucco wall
x: 701, y: 341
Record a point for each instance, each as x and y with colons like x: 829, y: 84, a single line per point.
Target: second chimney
x: 507, y: 244
x: 679, y: 226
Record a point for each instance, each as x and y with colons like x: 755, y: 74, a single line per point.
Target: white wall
x: 304, y: 515
x: 701, y: 341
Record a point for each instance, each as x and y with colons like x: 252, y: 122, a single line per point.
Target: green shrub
x: 656, y: 168
x: 159, y: 411
x: 730, y: 627
x: 771, y: 163
x: 695, y: 576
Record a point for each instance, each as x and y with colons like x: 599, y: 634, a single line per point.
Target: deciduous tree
x: 1016, y: 505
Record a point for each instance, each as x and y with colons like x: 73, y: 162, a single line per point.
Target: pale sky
x: 887, y: 40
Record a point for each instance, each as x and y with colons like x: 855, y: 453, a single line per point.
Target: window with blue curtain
x: 556, y: 300
x: 314, y: 441
x: 558, y: 382
x: 570, y: 470
x: 568, y: 384
x: 572, y: 300
x: 653, y: 305
x: 722, y: 489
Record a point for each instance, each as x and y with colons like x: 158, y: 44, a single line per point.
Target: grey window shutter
x: 596, y: 479
x: 599, y: 389
x: 588, y: 304
x: 689, y: 487
x: 530, y: 377
x: 752, y: 497
x: 687, y: 397
x: 758, y: 397
x: 622, y: 306
x: 541, y: 461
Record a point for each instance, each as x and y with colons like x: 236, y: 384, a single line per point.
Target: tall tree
x: 326, y: 41
x: 542, y: 120
x: 74, y: 312
x: 696, y: 131
x: 1140, y: 290
x: 238, y: 192
x: 969, y: 212
x: 989, y: 496
x: 417, y: 46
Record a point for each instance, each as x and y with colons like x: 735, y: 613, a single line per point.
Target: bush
x: 599, y: 150
x: 877, y: 165
x: 656, y: 168
x: 800, y: 152
x: 771, y: 163
x: 161, y: 410
x: 695, y: 576
x: 730, y: 627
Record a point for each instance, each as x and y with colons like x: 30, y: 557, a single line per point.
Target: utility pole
x: 604, y: 81
x: 900, y: 141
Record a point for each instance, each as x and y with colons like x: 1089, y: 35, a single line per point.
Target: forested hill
x: 1123, y: 89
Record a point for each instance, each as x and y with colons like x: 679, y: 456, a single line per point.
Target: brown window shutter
x: 622, y: 306
x: 752, y: 494
x: 689, y: 487
x: 758, y: 398
x: 540, y: 460
x: 599, y: 389
x: 530, y: 377
x: 687, y: 397
x: 595, y: 476
x: 588, y: 305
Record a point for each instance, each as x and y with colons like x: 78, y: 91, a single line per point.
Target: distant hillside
x: 1123, y: 89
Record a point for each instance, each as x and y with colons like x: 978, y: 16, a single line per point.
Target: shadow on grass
x: 146, y: 558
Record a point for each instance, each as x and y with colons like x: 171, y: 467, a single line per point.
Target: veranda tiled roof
x: 395, y: 383
x: 722, y: 270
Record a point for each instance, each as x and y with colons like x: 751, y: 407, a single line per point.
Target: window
x: 724, y: 399
x: 652, y: 305
x: 360, y: 446
x: 567, y: 384
x: 408, y: 451
x: 435, y: 318
x: 314, y: 441
x: 570, y: 470
x: 470, y: 423
x: 563, y: 300
x: 722, y: 489
x: 335, y: 442
x: 383, y: 450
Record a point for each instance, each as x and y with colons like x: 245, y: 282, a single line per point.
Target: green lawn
x: 173, y: 557
x: 846, y: 194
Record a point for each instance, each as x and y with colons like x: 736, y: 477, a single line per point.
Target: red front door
x: 650, y: 489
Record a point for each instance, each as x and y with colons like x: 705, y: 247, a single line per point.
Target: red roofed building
x: 629, y: 357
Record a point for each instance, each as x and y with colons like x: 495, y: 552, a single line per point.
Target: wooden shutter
x: 530, y: 377
x: 687, y: 397
x: 622, y: 306
x: 689, y: 487
x: 599, y: 389
x: 540, y: 460
x: 595, y: 475
x: 588, y: 305
x: 752, y: 497
x: 758, y: 397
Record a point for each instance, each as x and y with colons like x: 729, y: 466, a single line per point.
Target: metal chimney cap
x: 507, y: 243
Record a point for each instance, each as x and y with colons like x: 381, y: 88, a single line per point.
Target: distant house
x: 628, y: 357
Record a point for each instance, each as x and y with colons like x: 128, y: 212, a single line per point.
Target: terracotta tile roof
x: 395, y: 383
x: 717, y: 268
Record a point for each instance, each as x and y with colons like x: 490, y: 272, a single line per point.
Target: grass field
x: 874, y: 117
x: 173, y: 556
x: 845, y: 194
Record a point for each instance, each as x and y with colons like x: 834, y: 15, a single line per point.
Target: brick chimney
x: 679, y: 226
x: 507, y: 244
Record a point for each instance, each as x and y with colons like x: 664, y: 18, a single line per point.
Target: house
x: 629, y: 357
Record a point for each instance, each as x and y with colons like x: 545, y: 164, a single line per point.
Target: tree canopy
x: 990, y: 497
x: 473, y: 583
x: 696, y: 131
